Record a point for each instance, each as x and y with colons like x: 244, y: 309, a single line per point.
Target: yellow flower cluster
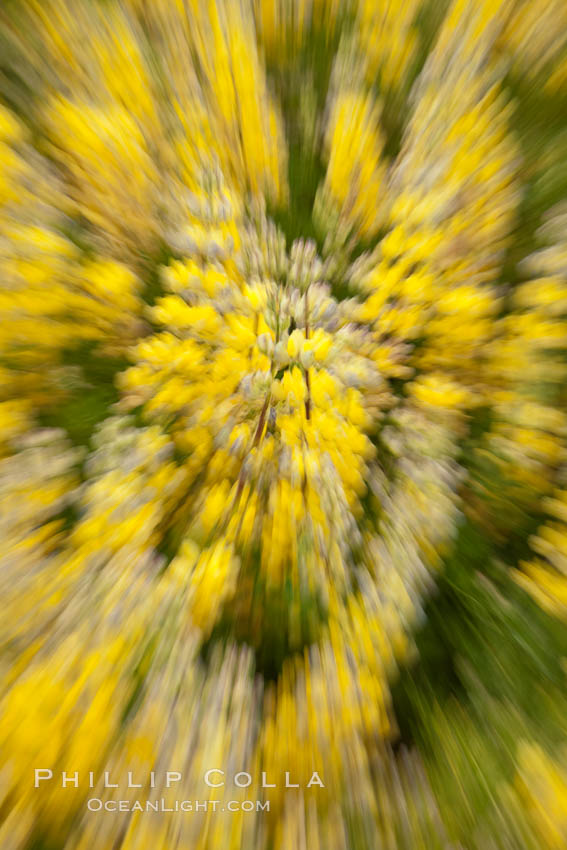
x: 355, y: 173
x: 535, y: 40
x: 542, y: 784
x: 389, y: 40
x: 546, y: 579
x: 526, y: 442
x: 52, y: 297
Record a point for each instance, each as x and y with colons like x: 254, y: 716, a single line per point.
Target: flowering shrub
x: 283, y: 298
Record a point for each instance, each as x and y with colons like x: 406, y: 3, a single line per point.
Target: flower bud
x: 281, y: 357
x: 266, y: 344
x: 294, y: 344
x: 306, y: 358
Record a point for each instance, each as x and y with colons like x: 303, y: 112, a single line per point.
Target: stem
x: 257, y: 438
x: 261, y: 421
x: 256, y: 323
x: 307, y: 378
